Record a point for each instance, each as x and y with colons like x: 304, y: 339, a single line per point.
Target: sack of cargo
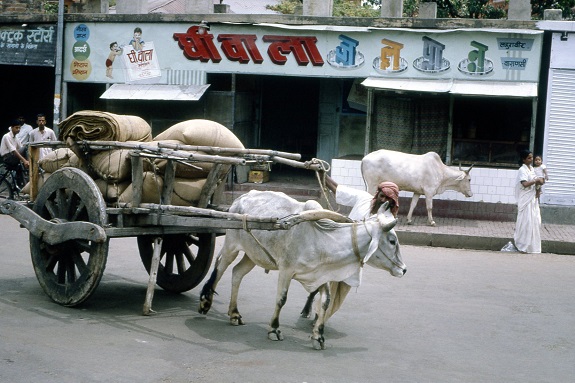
x: 151, y: 190
x: 111, y: 190
x: 75, y: 162
x: 201, y: 133
x: 187, y: 191
x: 112, y: 165
x: 41, y: 179
x: 55, y: 160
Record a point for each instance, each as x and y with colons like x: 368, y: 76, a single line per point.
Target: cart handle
x: 52, y: 232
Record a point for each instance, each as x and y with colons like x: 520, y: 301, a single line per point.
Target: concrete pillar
x: 552, y: 14
x: 392, y: 8
x: 428, y: 10
x: 199, y: 6
x: 519, y: 10
x: 318, y: 8
x: 132, y: 7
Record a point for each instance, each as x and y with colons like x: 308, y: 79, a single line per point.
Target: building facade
x: 474, y: 91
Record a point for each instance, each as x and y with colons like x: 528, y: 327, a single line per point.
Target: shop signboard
x: 149, y: 51
x: 33, y: 45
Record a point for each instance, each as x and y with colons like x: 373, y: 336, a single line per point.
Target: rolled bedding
x: 103, y: 126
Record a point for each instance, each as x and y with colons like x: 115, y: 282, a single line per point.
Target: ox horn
x: 315, y: 215
x: 468, y: 170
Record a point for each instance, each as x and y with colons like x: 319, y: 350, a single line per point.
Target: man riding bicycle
x: 12, y: 151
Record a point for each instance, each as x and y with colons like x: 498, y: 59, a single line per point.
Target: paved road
x: 456, y: 316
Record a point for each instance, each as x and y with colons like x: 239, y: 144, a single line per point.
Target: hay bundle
x: 103, y: 126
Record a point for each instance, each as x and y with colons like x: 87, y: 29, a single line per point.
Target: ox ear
x: 386, y: 219
x: 375, y: 235
x: 386, y: 222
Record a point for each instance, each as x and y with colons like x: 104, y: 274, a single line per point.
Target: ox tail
x: 338, y: 292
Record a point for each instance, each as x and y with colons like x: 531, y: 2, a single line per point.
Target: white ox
x: 314, y: 253
x: 423, y: 174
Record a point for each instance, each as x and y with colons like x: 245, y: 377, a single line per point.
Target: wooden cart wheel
x: 184, y: 261
x: 69, y: 272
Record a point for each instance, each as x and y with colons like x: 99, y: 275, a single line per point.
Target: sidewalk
x: 480, y: 235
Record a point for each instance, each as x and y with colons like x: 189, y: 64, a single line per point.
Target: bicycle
x: 10, y: 185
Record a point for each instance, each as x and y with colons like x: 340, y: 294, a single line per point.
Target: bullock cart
x: 71, y: 222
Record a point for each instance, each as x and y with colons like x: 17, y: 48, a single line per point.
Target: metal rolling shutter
x: 560, y: 139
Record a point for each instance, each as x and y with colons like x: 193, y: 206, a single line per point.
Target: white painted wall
x: 488, y: 184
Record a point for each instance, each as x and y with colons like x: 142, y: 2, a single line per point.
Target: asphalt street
x: 456, y: 316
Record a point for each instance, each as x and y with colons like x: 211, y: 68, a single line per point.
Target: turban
x: 392, y: 192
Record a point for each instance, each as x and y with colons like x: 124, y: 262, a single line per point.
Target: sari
x: 527, y: 236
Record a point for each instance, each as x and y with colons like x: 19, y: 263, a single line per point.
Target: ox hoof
x: 275, y: 335
x: 236, y: 321
x: 318, y: 344
x: 205, y: 306
x: 432, y: 223
x: 409, y: 222
x: 305, y: 313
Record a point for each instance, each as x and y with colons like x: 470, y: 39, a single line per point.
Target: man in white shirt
x: 12, y: 151
x: 25, y: 129
x: 42, y: 133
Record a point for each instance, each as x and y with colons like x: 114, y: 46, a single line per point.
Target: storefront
x: 330, y: 92
x: 560, y: 122
x: 469, y: 95
x: 27, y: 59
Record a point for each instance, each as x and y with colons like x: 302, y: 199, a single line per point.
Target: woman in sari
x: 527, y: 234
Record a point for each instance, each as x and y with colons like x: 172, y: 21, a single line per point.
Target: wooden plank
x: 34, y: 153
x: 137, y: 179
x: 169, y: 177
x: 210, y: 186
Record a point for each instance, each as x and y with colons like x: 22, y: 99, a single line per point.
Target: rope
x: 354, y: 243
x: 321, y: 178
x: 270, y: 258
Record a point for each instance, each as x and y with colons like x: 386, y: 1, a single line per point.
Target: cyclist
x: 12, y: 151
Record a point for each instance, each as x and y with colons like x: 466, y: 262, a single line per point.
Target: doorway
x: 290, y: 114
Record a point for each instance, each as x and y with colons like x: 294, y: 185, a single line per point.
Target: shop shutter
x: 560, y: 139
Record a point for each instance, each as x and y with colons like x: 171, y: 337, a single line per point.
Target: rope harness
x: 270, y: 258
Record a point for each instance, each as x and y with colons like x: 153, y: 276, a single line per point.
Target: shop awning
x: 155, y: 92
x: 461, y: 87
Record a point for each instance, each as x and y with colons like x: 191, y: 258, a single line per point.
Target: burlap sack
x: 195, y: 170
x: 113, y: 165
x: 152, y: 189
x: 187, y: 191
x: 41, y: 179
x: 201, y: 133
x: 111, y: 190
x: 55, y: 160
x: 103, y: 126
x: 74, y: 162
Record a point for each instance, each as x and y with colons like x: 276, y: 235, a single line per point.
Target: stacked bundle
x: 111, y: 169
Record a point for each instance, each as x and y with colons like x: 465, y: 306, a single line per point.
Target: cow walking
x: 313, y: 253
x: 423, y: 174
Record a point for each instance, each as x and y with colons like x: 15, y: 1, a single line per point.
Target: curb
x: 458, y: 241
